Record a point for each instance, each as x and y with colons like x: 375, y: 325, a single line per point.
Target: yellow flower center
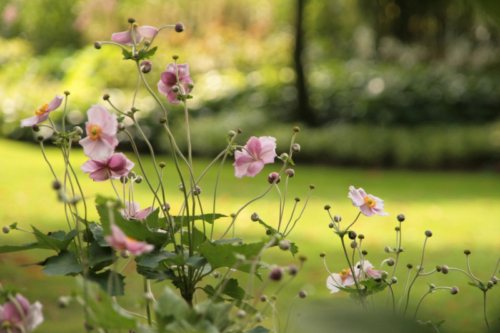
x: 345, y: 273
x: 370, y: 202
x: 131, y: 240
x: 42, y: 110
x: 95, y: 131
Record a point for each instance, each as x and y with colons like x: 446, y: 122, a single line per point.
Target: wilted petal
x: 147, y: 31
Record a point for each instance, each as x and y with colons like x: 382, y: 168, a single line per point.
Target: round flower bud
x: 40, y: 138
x: 63, y: 301
x: 124, y: 254
x: 285, y: 245
x: 138, y: 180
x: 268, y: 232
x: 391, y: 262
x: 190, y: 85
x: 276, y: 274
x: 6, y: 229
x: 56, y: 185
x: 181, y: 187
x: 354, y: 244
x: 284, y: 157
x: 272, y: 177
x: 162, y: 164
x: 147, y: 43
x: 166, y: 206
x: 121, y: 126
x: 105, y: 97
x: 428, y: 233
x: 394, y: 280
x: 302, y: 258
x: 78, y: 130
x: 179, y: 27
x: 322, y: 254
x: 361, y: 236
x: 274, y: 298
x: 388, y: 249
x: 35, y: 128
x: 377, y: 278
x: 240, y: 131
x: 445, y: 269
x: 175, y: 57
x: 258, y: 317
x: 131, y: 20
x: 302, y: 294
x: 397, y: 228
x: 290, y: 173
x: 66, y: 92
x: 297, y: 199
x: 97, y: 45
x: 490, y: 284
x: 216, y: 275
x: 401, y: 217
x: 327, y: 207
x: 296, y: 148
x: 454, y: 290
x: 240, y: 314
x: 466, y: 252
x: 255, y: 217
x: 494, y: 279
x: 337, y: 218
x: 146, y: 66
x: 197, y: 190
x: 364, y: 252
x: 123, y: 179
x: 296, y: 129
x: 293, y: 270
x: 352, y: 234
x: 149, y: 296
x: 312, y: 187
x: 162, y: 120
x: 410, y: 266
x: 131, y: 174
x: 331, y: 225
x: 263, y: 298
x: 438, y: 268
x: 432, y: 286
x: 231, y: 133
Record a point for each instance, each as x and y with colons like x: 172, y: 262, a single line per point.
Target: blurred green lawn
x: 462, y: 209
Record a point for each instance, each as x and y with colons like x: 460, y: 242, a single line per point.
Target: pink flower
x: 125, y: 37
x: 117, y: 165
x: 42, y: 113
x: 11, y: 320
x: 169, y: 81
x: 101, y: 138
x: 367, y: 203
x: 119, y: 241
x: 132, y: 211
x: 250, y: 161
x: 343, y: 279
x: 367, y: 268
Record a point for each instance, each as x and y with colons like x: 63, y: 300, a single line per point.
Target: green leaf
x: 158, y: 275
x: 58, y: 240
x: 294, y: 249
x: 197, y: 238
x: 152, y: 219
x: 100, y: 257
x: 228, y: 240
x: 258, y: 329
x: 126, y: 54
x: 268, y: 227
x: 245, y: 306
x: 290, y: 161
x: 105, y: 313
x: 13, y: 225
x: 63, y: 264
x: 224, y: 255
x: 372, y: 286
x: 170, y: 307
x: 150, y: 53
x: 154, y: 259
x: 97, y: 232
x: 196, y: 261
x: 219, y: 314
x: 102, y: 279
x: 24, y: 247
x: 208, y: 218
x: 232, y: 289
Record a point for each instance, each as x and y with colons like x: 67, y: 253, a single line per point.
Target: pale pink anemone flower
x: 141, y: 32
x: 42, y: 113
x: 101, y: 138
x: 119, y: 241
x: 367, y: 268
x: 11, y: 320
x: 367, y: 203
x: 117, y: 165
x: 343, y: 279
x: 133, y: 211
x: 169, y: 80
x: 250, y: 161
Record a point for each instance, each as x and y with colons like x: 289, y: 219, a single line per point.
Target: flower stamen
x: 370, y: 202
x: 41, y: 111
x: 94, y: 131
x: 345, y: 273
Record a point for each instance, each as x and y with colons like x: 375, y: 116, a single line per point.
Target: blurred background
x: 400, y: 97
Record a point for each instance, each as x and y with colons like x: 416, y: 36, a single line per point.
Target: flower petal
x: 184, y: 81
x: 172, y: 97
x: 168, y: 78
x: 147, y: 31
x: 333, y: 282
x: 124, y: 37
x: 365, y: 210
x: 97, y: 149
x: 163, y: 88
x: 355, y: 196
x: 35, y: 316
x: 142, y: 214
x: 138, y: 248
x: 91, y: 166
x: 254, y: 168
x: 100, y: 175
x: 28, y: 122
x: 183, y: 70
x: 254, y: 146
x: 268, y: 152
x: 55, y: 103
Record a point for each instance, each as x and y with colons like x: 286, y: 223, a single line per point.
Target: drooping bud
x: 258, y: 318
x: 124, y: 254
x: 352, y: 234
x: 401, y: 217
x: 35, y: 128
x: 179, y: 27
x: 272, y: 177
x: 454, y: 290
x: 40, y: 138
x: 391, y: 262
x: 105, y: 97
x: 285, y: 245
x: 121, y: 126
x: 394, y: 279
x: 181, y: 187
x: 337, y: 218
x: 466, y: 252
x: 296, y: 129
x: 147, y: 43
x: 6, y: 229
x: 56, y: 185
x: 302, y: 294
x: 240, y: 131
x: 175, y: 57
x: 428, y: 233
x: 312, y: 187
x: 149, y: 296
x: 97, y: 45
x: 146, y: 66
x: 138, y: 180
x: 293, y: 270
x: 388, y: 249
x: 494, y: 279
x: 354, y: 244
x: 231, y: 133
x: 490, y: 284
x: 216, y: 275
x: 191, y: 85
x: 432, y: 286
x: 276, y: 274
x: 290, y: 173
x: 296, y: 148
x: 445, y: 269
x: 78, y: 130
x: 255, y: 217
x: 175, y: 89
x: 166, y: 206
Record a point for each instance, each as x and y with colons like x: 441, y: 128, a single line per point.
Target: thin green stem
x: 148, y: 309
x: 289, y: 312
x: 484, y: 305
x: 353, y: 272
x: 350, y: 225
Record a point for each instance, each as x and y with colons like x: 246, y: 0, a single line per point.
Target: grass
x: 461, y: 209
